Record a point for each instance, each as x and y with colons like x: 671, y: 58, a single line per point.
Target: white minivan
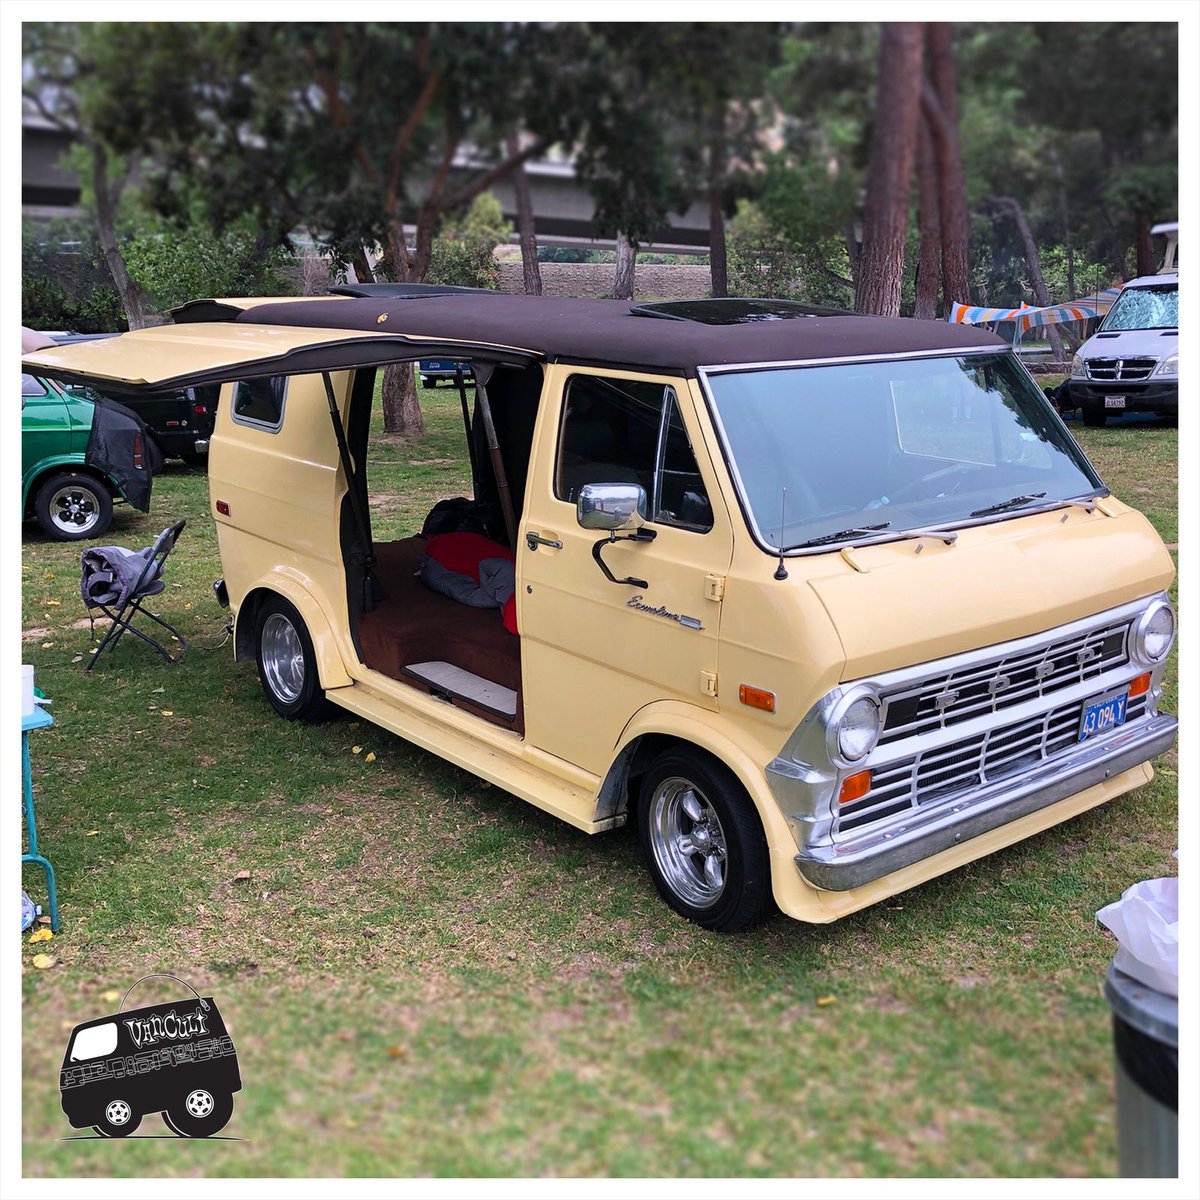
x: 1131, y: 364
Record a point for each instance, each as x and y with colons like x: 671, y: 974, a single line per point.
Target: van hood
x: 895, y: 605
x: 1143, y: 343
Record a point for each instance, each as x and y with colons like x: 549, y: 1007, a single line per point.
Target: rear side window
x: 260, y: 402
x: 630, y: 431
x: 95, y: 1042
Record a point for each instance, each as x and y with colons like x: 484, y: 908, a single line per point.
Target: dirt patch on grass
x: 39, y: 633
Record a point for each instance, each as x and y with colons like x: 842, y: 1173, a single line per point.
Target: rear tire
x: 71, y: 507
x: 1094, y: 417
x: 703, y: 842
x: 287, y: 663
x: 199, y: 1114
x: 428, y: 383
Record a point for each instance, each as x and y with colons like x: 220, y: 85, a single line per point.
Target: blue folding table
x: 38, y: 719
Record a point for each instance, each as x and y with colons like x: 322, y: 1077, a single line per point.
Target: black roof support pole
x: 360, y: 518
x: 466, y: 411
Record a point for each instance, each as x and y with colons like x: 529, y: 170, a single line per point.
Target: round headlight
x: 1154, y: 632
x: 856, y: 726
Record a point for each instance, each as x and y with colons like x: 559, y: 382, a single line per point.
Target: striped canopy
x: 1026, y: 317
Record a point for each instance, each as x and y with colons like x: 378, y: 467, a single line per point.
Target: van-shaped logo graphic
x: 175, y: 1058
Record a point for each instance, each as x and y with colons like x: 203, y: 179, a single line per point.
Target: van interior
x: 403, y: 628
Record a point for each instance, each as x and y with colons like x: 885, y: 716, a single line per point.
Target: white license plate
x: 1114, y: 401
x: 1102, y: 713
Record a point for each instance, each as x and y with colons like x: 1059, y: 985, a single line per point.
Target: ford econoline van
x: 828, y: 605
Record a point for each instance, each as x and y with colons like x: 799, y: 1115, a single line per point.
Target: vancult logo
x: 145, y: 1031
x: 175, y: 1058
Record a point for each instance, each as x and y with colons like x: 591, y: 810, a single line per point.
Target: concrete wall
x: 591, y: 280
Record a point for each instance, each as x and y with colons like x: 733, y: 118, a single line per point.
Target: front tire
x: 200, y: 1114
x: 118, y: 1120
x: 287, y: 663
x: 703, y: 842
x: 71, y: 507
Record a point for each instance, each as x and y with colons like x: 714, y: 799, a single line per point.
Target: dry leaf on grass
x: 241, y: 875
x: 40, y: 935
x: 356, y: 750
x: 111, y: 996
x: 370, y: 757
x: 166, y: 712
x: 43, y: 961
x: 824, y: 1000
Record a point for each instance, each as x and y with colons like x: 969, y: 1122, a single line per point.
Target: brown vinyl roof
x: 605, y: 331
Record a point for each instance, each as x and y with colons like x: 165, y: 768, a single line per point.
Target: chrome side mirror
x: 611, y: 506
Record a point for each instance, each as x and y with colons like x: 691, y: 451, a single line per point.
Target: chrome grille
x: 938, y: 775
x: 1120, y: 369
x: 940, y: 701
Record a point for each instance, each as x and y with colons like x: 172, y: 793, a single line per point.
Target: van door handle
x: 534, y: 540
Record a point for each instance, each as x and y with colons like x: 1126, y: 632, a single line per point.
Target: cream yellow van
x: 829, y: 605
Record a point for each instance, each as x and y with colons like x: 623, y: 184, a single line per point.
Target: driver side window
x: 631, y: 431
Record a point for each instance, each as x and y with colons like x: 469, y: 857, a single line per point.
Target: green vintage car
x: 79, y: 454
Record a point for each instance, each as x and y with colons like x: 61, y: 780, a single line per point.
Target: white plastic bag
x: 1146, y: 923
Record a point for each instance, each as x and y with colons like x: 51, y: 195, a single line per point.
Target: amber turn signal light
x: 855, y: 787
x: 1140, y: 686
x: 757, y: 697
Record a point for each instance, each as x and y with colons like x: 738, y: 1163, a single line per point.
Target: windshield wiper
x: 1005, y: 505
x: 824, y: 539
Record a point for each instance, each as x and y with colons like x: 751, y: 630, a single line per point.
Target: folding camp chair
x: 118, y: 582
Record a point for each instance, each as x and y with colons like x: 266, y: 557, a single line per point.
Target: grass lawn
x: 425, y: 976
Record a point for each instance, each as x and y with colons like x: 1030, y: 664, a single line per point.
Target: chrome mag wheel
x: 282, y: 659
x: 688, y: 842
x: 74, y: 510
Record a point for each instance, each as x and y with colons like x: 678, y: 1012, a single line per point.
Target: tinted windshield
x: 902, y: 444
x: 1154, y: 307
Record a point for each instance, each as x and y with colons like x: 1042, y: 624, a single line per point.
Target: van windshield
x: 869, y: 450
x: 1154, y: 307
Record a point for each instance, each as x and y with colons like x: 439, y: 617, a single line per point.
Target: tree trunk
x: 718, y: 259
x: 362, y: 268
x: 626, y: 263
x: 889, y: 175
x: 107, y: 196
x: 930, y: 255
x: 1040, y: 292
x: 1147, y: 263
x: 529, y: 259
x: 952, y: 191
x: 401, y: 408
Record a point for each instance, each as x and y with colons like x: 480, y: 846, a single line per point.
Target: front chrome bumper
x: 857, y: 860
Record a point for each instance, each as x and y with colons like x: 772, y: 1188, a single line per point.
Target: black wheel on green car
x: 119, y: 1119
x: 703, y: 841
x: 287, y: 663
x: 199, y: 1114
x: 1094, y: 416
x: 71, y: 506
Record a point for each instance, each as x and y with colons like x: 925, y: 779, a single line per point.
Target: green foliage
x: 64, y: 281
x: 177, y: 263
x: 770, y: 258
x: 464, y: 252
